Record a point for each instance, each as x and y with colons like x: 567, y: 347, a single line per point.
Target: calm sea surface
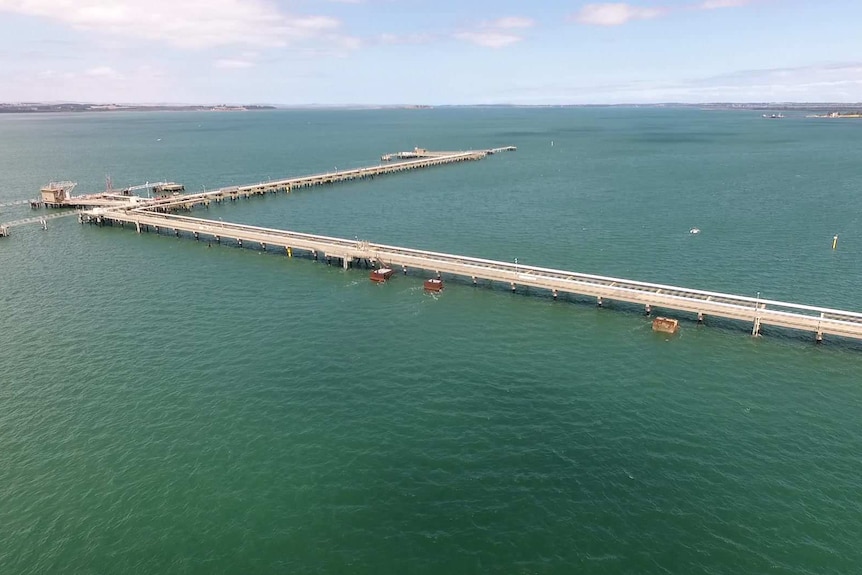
x: 166, y: 407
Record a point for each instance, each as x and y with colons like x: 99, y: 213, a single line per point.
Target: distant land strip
x: 824, y: 109
x: 31, y: 107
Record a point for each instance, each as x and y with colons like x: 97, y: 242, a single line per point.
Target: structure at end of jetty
x: 417, y: 153
x: 59, y: 195
x: 55, y: 194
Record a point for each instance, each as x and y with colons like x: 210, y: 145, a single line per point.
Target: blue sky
x: 388, y: 52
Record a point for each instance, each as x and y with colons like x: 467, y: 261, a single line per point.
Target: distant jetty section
x: 168, y: 196
x: 423, y: 153
x: 837, y: 115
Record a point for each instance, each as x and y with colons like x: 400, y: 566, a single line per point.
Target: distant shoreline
x: 40, y: 108
x: 817, y: 109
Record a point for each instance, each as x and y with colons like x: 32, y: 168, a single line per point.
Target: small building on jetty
x: 167, y: 189
x: 56, y: 194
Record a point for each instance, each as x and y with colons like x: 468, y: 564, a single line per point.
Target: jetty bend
x: 156, y: 214
x: 759, y: 312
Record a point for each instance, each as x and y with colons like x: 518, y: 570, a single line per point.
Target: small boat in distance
x: 433, y: 285
x: 665, y: 325
x: 381, y: 275
x: 694, y: 231
x: 777, y: 116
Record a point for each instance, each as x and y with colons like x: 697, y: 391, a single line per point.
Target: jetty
x: 158, y: 215
x: 59, y: 195
x: 43, y: 220
x: 287, y: 185
x: 423, y: 153
x: 168, y: 196
x: 347, y: 253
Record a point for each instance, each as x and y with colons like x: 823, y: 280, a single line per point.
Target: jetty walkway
x: 289, y: 184
x: 43, y: 220
x: 175, y: 201
x: 758, y: 312
x: 423, y: 153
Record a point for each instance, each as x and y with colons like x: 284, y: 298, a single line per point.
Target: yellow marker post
x: 835, y: 241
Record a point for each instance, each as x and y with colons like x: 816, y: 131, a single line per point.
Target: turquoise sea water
x: 166, y: 407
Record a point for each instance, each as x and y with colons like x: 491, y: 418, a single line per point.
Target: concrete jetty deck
x: 423, y: 153
x: 58, y: 194
x: 38, y: 219
x: 758, y: 312
x: 289, y: 184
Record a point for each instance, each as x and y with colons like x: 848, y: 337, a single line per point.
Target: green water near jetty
x: 167, y: 407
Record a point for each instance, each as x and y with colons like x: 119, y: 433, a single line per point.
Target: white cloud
x: 839, y: 82
x: 496, y: 33
x: 715, y: 4
x: 489, y: 39
x: 614, y: 14
x: 102, y: 72
x: 185, y: 23
x: 50, y: 75
x: 97, y: 84
x: 233, y: 64
x: 393, y: 39
x: 511, y: 22
x: 344, y: 43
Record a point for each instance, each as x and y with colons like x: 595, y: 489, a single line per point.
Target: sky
x: 435, y: 52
